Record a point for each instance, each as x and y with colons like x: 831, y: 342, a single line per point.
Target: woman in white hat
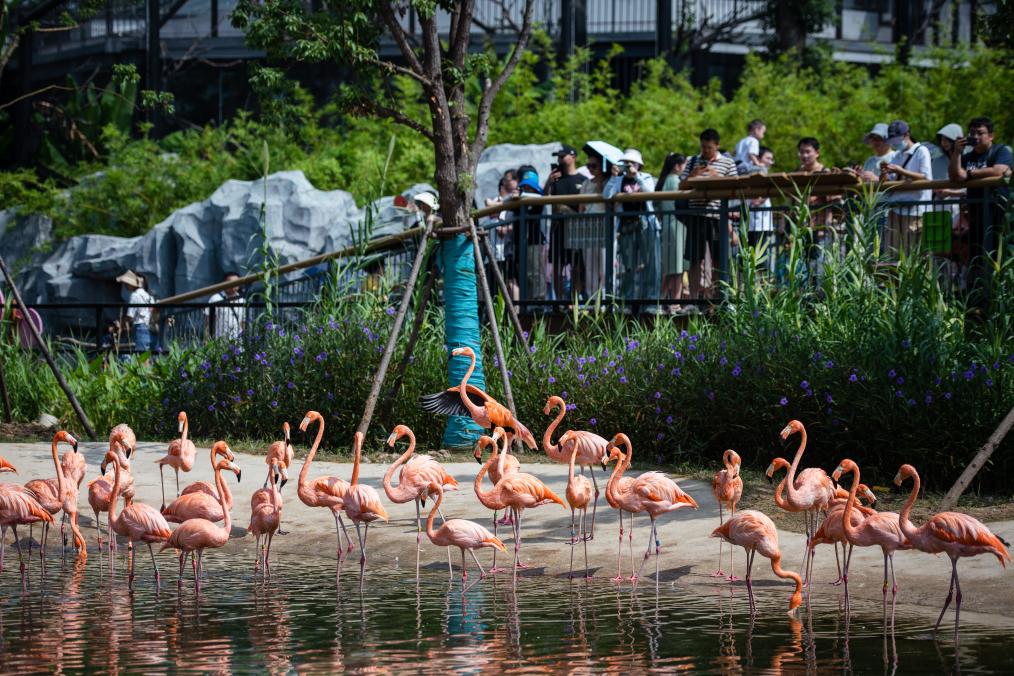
x: 139, y: 314
x: 640, y: 246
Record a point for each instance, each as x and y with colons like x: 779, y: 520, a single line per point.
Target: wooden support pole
x: 959, y: 487
x: 512, y: 310
x: 480, y: 273
x: 392, y: 340
x: 45, y: 353
x: 8, y: 415
x: 420, y: 315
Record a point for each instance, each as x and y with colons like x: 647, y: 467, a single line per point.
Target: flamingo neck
x: 59, y: 471
x: 305, y: 471
x: 399, y: 493
x: 614, y: 479
x: 463, y: 388
x: 487, y: 498
x: 186, y: 431
x: 115, y: 494
x: 551, y: 449
x: 276, y: 496
x: 779, y: 494
x: 790, y: 479
x: 573, y: 457
x: 846, y: 517
x: 776, y: 568
x: 501, y: 457
x: 907, y: 527
x: 358, y: 446
x: 220, y: 484
x: 433, y: 512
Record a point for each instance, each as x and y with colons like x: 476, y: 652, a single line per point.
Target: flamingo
x: 878, y: 528
x: 469, y: 400
x: 362, y: 503
x: 511, y: 465
x: 810, y: 494
x: 831, y: 530
x: 199, y: 500
x: 591, y: 448
x: 460, y: 533
x: 180, y: 455
x: 266, y: 514
x: 755, y: 532
x: 325, y: 491
x: 59, y: 494
x: 727, y: 487
x: 517, y: 491
x: 196, y: 535
x: 618, y: 492
x: 282, y: 452
x: 418, y: 473
x: 660, y: 495
x: 123, y: 441
x: 958, y: 535
x: 579, y: 494
x: 18, y: 507
x: 138, y: 522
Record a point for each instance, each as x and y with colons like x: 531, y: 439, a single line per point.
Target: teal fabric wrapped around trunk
x: 461, y: 328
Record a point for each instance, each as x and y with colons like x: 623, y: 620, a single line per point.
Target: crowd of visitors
x: 669, y: 249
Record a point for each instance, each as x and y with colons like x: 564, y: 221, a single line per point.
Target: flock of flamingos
x: 832, y: 515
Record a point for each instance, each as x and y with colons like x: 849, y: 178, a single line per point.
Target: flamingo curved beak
x: 73, y: 444
x: 304, y: 424
x: 392, y: 439
x: 770, y: 478
x: 180, y: 427
x: 605, y: 465
x: 478, y: 459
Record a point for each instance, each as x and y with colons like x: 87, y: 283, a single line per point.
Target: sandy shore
x: 688, y: 556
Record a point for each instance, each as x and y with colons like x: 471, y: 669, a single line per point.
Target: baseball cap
x: 427, y: 198
x: 530, y: 180
x: 879, y: 129
x: 951, y: 131
x: 896, y: 131
x: 565, y: 150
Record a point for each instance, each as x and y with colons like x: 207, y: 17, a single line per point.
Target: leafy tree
x: 997, y: 29
x: 792, y: 20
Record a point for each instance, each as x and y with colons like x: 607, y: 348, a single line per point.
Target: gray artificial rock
x: 23, y: 239
x: 495, y: 160
x: 197, y: 244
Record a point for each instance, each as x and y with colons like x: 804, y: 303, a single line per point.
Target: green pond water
x: 83, y: 619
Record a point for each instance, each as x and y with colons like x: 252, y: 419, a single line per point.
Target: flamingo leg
x: 183, y: 561
x: 3, y: 546
x: 257, y: 552
x: 21, y: 560
x: 362, y: 546
x: 198, y: 569
x: 450, y: 568
x: 749, y: 577
x: 517, y: 541
x: 130, y: 566
x: 338, y: 532
x: 894, y: 588
x: 177, y: 482
x: 348, y: 538
x: 161, y: 478
x: 950, y: 594
x: 79, y: 541
x: 267, y: 555
x: 652, y: 537
x: 721, y: 520
x: 482, y: 573
x: 63, y: 535
x: 619, y: 551
x: 494, y: 570
x: 418, y: 539
x: 732, y: 553
x: 584, y: 526
x: 158, y: 578
x: 98, y: 531
x: 630, y: 546
x: 837, y: 563
x: 464, y: 569
x: 573, y: 541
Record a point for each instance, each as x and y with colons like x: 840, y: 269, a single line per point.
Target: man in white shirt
x: 229, y: 314
x: 911, y: 162
x: 748, y: 149
x: 139, y: 312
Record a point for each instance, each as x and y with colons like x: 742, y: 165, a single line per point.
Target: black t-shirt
x: 997, y: 154
x: 567, y: 185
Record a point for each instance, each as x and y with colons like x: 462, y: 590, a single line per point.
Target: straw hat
x: 131, y: 278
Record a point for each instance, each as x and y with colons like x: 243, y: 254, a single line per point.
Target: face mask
x: 900, y: 145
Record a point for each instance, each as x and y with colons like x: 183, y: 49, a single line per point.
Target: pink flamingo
x: 362, y: 503
x: 957, y: 535
x: 325, y: 491
x: 511, y: 465
x: 201, y: 501
x: 579, y: 494
x: 266, y: 515
x: 418, y: 474
x: 832, y: 530
x: 59, y: 494
x: 618, y: 494
x: 460, y: 533
x: 469, y: 400
x: 755, y: 532
x: 180, y: 455
x: 879, y: 528
x: 138, y: 522
x: 195, y: 535
x: 282, y: 452
x: 727, y: 487
x: 810, y: 493
x: 123, y: 442
x: 517, y: 491
x: 18, y: 507
x: 660, y: 495
x: 591, y: 448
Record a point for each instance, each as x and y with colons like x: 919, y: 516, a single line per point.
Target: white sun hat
x: 632, y: 155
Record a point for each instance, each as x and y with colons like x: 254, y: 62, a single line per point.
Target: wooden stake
x: 45, y: 353
x: 480, y: 274
x: 8, y: 416
x: 959, y: 487
x: 512, y: 310
x: 392, y: 340
x: 420, y: 314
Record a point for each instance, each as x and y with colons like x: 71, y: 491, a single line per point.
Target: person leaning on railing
x: 639, y: 245
x: 986, y: 160
x: 140, y: 313
x: 229, y: 317
x: 911, y: 162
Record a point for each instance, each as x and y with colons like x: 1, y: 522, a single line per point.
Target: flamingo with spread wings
x: 469, y: 400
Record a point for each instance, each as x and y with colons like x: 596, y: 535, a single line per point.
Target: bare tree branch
x: 375, y: 109
x: 400, y: 37
x: 394, y: 68
x: 492, y: 87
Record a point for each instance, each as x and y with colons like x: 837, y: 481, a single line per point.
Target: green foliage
x: 997, y: 28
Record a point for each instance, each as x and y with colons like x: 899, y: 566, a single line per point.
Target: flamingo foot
x: 632, y: 578
x: 496, y: 569
x: 618, y: 578
x: 522, y: 565
x: 837, y: 583
x: 589, y: 576
x: 506, y: 521
x: 733, y: 578
x: 718, y: 573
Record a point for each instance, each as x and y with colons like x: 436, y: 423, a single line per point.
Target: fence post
x: 723, y: 241
x: 521, y: 236
x: 98, y: 328
x: 609, y: 229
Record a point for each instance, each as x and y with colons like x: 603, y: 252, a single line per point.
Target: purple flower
x: 291, y: 385
x: 891, y: 373
x: 947, y: 395
x: 658, y: 410
x: 249, y: 393
x: 269, y: 326
x: 905, y: 344
x: 571, y: 407
x: 298, y: 351
x: 900, y: 380
x: 525, y: 334
x: 929, y: 398
x: 711, y: 395
x: 809, y: 392
x: 989, y: 382
x: 969, y: 375
x: 332, y: 324
x: 552, y: 380
x: 736, y: 371
x: 564, y: 394
x: 623, y: 380
x: 580, y: 376
x: 593, y: 422
x: 668, y: 420
x: 274, y: 404
x: 321, y: 357
x: 532, y: 349
x: 828, y: 364
x: 677, y: 371
x: 828, y: 398
x: 805, y: 385
x: 591, y: 360
x: 853, y: 378
x: 723, y: 361
x: 632, y: 345
x: 658, y: 395
x: 911, y: 402
x: 389, y: 312
x: 784, y: 401
x: 620, y: 370
x: 211, y: 407
x: 678, y: 355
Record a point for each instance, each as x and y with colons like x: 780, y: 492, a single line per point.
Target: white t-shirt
x: 140, y: 315
x: 747, y: 146
x: 228, y: 320
x: 917, y: 159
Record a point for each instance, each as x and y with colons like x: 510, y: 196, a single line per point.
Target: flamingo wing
x: 449, y: 401
x: 967, y: 531
x: 21, y: 507
x: 145, y: 523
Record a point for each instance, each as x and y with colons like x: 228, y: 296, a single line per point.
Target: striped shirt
x: 723, y: 165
